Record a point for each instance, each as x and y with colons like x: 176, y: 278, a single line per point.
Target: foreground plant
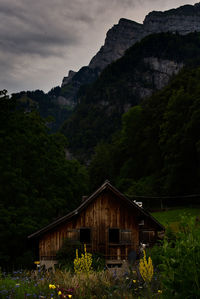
x: 83, y: 263
x: 146, y: 268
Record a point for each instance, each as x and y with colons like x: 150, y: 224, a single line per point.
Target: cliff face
x: 119, y: 38
x: 161, y: 71
x: 126, y: 33
x: 184, y: 20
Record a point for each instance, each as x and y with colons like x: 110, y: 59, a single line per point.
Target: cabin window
x: 126, y: 236
x: 147, y: 236
x: 114, y: 235
x: 85, y: 235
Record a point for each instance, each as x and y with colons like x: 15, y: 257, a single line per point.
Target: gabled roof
x: 105, y: 186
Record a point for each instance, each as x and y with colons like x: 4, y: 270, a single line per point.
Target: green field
x: 174, y: 216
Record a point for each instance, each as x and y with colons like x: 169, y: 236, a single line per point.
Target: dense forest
x: 37, y: 182
x: 157, y: 151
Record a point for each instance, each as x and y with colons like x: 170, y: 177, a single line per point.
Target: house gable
x: 105, y: 187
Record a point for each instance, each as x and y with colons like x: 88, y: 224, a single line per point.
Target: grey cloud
x: 41, y: 40
x: 36, y: 27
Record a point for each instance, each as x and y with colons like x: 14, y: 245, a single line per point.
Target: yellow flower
x: 70, y: 296
x: 52, y: 286
x: 83, y: 263
x: 134, y: 281
x: 59, y: 293
x: 37, y: 262
x: 146, y: 268
x: 159, y: 291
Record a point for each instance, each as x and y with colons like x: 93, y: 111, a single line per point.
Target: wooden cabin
x: 107, y: 221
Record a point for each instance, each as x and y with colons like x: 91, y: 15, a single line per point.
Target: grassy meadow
x: 168, y: 217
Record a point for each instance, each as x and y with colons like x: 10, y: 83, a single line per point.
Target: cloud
x: 41, y: 40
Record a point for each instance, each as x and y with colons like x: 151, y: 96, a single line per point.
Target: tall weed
x: 178, y: 261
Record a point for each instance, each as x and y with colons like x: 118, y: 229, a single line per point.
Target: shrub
x: 98, y: 261
x: 179, y: 261
x: 67, y: 253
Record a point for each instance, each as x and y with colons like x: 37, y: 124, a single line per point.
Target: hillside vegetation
x: 121, y: 85
x: 157, y: 151
x: 46, y: 104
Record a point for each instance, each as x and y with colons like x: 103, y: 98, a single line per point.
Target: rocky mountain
x: 146, y: 67
x: 120, y: 37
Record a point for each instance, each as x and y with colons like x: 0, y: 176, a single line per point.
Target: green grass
x: 173, y: 216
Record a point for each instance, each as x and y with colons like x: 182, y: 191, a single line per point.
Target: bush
x: 178, y: 261
x: 98, y: 262
x: 67, y: 253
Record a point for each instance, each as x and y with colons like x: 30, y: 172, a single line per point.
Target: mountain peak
x: 121, y: 36
x: 124, y: 21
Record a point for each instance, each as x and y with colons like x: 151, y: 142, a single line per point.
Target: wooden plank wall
x: 104, y: 212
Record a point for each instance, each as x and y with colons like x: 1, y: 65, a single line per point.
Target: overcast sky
x: 41, y: 40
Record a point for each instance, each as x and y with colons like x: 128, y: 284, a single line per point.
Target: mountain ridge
x: 126, y: 33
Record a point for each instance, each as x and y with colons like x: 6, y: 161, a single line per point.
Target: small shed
x: 107, y: 221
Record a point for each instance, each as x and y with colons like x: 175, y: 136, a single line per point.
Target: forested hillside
x: 47, y: 104
x: 123, y: 84
x: 37, y: 183
x: 157, y: 151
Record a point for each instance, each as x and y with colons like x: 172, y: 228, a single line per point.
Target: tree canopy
x: 37, y: 182
x: 157, y: 150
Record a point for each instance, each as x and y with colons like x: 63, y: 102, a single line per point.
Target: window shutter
x: 125, y: 236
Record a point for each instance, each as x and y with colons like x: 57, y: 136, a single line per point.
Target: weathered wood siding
x: 106, y: 211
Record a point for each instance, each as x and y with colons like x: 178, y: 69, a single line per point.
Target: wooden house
x: 107, y: 221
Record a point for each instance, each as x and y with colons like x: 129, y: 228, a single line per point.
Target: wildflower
x: 17, y: 284
x: 52, y: 286
x: 146, y: 268
x: 83, y: 263
x: 159, y: 291
x: 59, y: 293
x: 134, y: 281
x: 69, y: 296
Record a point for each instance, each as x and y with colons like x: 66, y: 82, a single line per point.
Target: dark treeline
x: 37, y: 183
x: 157, y: 151
x: 46, y: 104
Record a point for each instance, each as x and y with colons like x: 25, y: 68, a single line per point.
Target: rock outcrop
x: 161, y: 71
x: 120, y: 37
x: 183, y: 20
x: 67, y: 79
